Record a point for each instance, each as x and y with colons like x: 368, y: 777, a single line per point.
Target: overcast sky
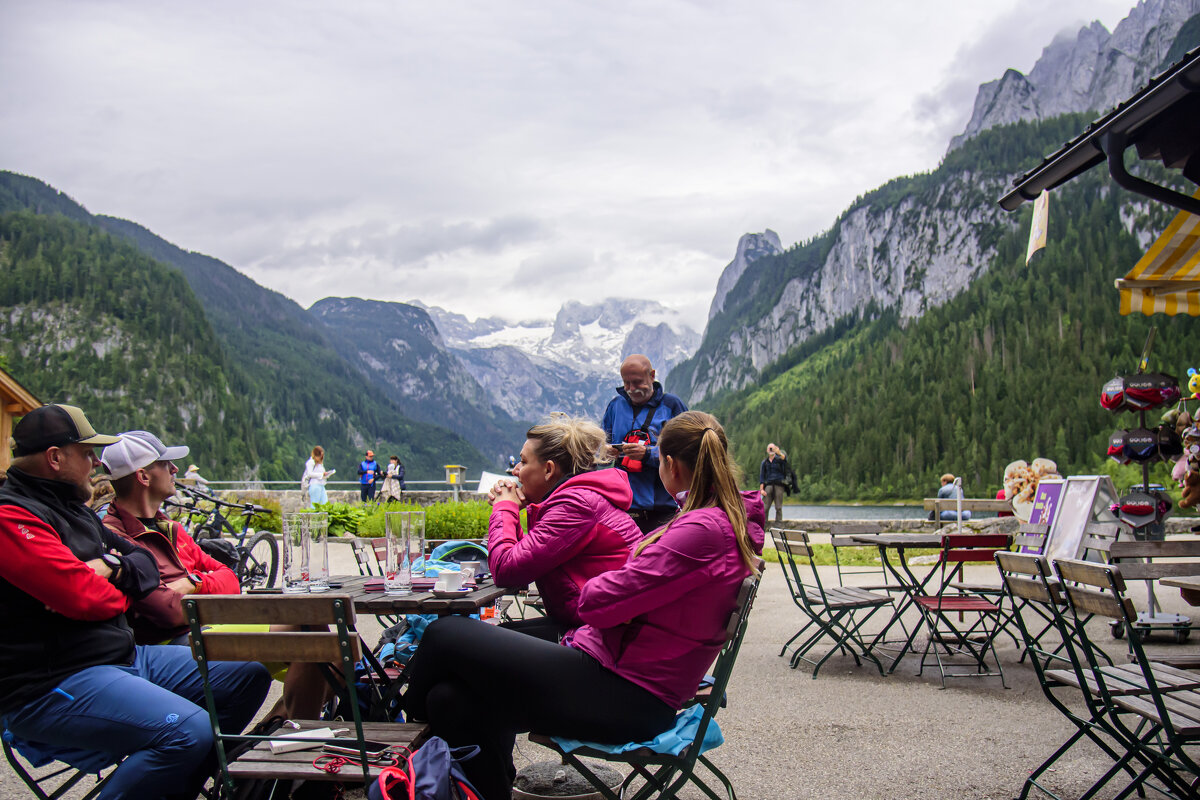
x: 496, y: 157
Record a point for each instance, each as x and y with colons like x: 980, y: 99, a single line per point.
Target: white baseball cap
x: 136, y: 450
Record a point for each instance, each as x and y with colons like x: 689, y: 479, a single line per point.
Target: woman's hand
x: 506, y: 490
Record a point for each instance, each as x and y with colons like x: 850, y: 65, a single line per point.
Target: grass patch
x: 850, y: 556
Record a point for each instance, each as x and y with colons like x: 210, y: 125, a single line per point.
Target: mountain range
x: 911, y: 311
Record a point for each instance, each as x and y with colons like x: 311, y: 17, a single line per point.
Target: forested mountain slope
x: 1011, y: 368
x: 276, y: 357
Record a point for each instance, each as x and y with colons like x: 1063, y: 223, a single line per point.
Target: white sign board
x: 1085, y: 499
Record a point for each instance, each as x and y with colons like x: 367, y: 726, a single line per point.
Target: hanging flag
x: 1041, y: 220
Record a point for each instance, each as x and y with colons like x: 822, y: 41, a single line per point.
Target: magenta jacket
x: 578, y: 531
x: 659, y: 621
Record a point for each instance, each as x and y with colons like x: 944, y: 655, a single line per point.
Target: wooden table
x: 380, y: 604
x: 1188, y: 586
x: 909, y: 582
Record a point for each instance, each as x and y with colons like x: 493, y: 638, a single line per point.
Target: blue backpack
x: 435, y: 773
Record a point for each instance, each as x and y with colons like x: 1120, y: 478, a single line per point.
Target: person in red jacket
x: 143, y: 476
x: 578, y: 520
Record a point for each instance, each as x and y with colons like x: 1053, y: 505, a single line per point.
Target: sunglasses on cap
x: 1139, y: 392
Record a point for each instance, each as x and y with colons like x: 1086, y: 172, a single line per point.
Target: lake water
x: 850, y: 512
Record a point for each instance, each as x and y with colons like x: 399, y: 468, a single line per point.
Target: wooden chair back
x: 1024, y: 575
x: 1146, y: 568
x: 318, y: 646
x: 1095, y: 589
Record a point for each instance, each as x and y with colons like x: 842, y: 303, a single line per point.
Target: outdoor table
x: 912, y: 586
x: 380, y: 604
x: 1188, y: 585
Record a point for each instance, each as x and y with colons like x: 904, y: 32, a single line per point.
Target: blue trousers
x: 151, y: 713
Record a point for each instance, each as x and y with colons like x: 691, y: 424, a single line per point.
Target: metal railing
x: 295, y: 484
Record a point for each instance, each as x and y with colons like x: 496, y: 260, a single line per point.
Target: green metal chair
x: 1152, y: 709
x: 663, y: 775
x: 56, y: 783
x: 837, y: 613
x: 339, y: 646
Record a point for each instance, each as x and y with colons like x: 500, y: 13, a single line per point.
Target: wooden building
x: 15, y: 401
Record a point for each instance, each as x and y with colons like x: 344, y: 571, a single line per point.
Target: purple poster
x: 1045, y: 503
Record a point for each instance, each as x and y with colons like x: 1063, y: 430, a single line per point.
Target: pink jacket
x: 660, y: 620
x: 578, y: 531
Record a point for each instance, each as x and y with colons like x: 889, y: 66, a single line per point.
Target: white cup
x: 451, y: 578
x: 470, y: 569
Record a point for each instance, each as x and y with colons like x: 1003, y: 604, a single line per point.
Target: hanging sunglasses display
x: 1140, y: 392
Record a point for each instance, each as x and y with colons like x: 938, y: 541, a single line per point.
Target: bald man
x: 632, y: 423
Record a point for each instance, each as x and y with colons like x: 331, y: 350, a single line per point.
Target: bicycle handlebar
x: 248, y: 509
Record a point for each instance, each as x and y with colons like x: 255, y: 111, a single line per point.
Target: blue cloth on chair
x: 39, y: 755
x: 672, y: 741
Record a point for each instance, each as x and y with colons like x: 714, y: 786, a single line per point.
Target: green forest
x: 1010, y: 369
x: 102, y: 313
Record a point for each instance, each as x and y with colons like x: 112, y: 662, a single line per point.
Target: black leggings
x: 480, y: 684
x: 541, y: 627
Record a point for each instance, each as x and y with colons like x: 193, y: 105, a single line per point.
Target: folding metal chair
x: 339, y: 647
x: 1151, y: 708
x: 947, y: 639
x: 56, y: 783
x: 834, y: 612
x: 663, y: 774
x: 1029, y: 584
x: 841, y: 536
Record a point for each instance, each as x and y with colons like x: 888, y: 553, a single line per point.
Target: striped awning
x: 1167, y: 279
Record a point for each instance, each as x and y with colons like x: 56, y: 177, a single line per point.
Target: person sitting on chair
x: 650, y: 631
x: 951, y: 490
x: 73, y: 685
x: 577, y: 516
x: 143, y: 476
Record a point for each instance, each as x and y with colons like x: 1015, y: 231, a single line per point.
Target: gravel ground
x: 853, y: 734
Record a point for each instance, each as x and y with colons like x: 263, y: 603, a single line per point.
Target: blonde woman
x: 578, y: 521
x: 312, y: 482
x: 651, y: 629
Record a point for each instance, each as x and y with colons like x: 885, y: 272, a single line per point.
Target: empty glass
x: 417, y: 522
x: 397, y: 568
x: 317, y: 531
x: 296, y: 549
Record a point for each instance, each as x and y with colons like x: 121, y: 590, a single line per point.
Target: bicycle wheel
x: 259, y: 563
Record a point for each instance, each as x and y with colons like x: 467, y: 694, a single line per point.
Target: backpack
x: 434, y: 773
x: 457, y: 551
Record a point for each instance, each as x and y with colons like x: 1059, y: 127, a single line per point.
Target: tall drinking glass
x: 318, y: 555
x: 397, y: 569
x: 417, y: 544
x: 296, y: 549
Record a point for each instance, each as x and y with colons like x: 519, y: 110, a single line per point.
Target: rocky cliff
x: 751, y: 247
x: 1092, y: 70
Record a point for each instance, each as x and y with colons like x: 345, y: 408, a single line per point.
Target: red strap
x: 394, y: 778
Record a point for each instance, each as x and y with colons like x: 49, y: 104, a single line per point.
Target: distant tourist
x: 368, y: 472
x: 775, y: 479
x: 632, y: 423
x: 393, y: 481
x: 950, y: 491
x: 312, y: 482
x: 578, y: 525
x: 198, y: 480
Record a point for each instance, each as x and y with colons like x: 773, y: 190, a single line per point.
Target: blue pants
x: 151, y: 714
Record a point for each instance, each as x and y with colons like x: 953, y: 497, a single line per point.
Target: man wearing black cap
x: 72, y: 684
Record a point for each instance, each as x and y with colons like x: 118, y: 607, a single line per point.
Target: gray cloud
x: 491, y: 156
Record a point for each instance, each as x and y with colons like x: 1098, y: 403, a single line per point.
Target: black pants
x: 366, y: 491
x: 480, y: 684
x: 541, y: 627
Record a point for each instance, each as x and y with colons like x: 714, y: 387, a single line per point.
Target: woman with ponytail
x: 651, y: 629
x: 577, y: 517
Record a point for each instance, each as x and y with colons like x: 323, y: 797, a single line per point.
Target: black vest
x: 39, y: 647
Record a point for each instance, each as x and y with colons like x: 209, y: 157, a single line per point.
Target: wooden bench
x: 337, y: 644
x: 975, y: 505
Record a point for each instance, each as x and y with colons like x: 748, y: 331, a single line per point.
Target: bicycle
x: 258, y: 561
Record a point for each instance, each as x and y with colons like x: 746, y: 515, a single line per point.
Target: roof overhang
x: 1162, y: 121
x: 15, y: 398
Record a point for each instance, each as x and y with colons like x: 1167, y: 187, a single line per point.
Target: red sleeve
x: 34, y: 559
x: 215, y: 577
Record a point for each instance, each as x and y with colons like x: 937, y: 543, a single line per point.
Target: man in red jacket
x: 143, y: 476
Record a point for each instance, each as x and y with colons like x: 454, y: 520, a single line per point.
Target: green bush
x: 343, y: 517
x: 467, y: 520
x: 271, y: 521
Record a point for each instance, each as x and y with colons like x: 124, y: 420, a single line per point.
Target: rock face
x: 751, y: 247
x: 398, y: 347
x: 1091, y: 71
x: 912, y: 255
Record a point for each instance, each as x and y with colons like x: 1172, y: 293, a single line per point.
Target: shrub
x: 467, y: 520
x: 343, y: 517
x: 271, y: 521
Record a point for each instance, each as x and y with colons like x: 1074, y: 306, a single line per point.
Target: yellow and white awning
x: 1167, y: 279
